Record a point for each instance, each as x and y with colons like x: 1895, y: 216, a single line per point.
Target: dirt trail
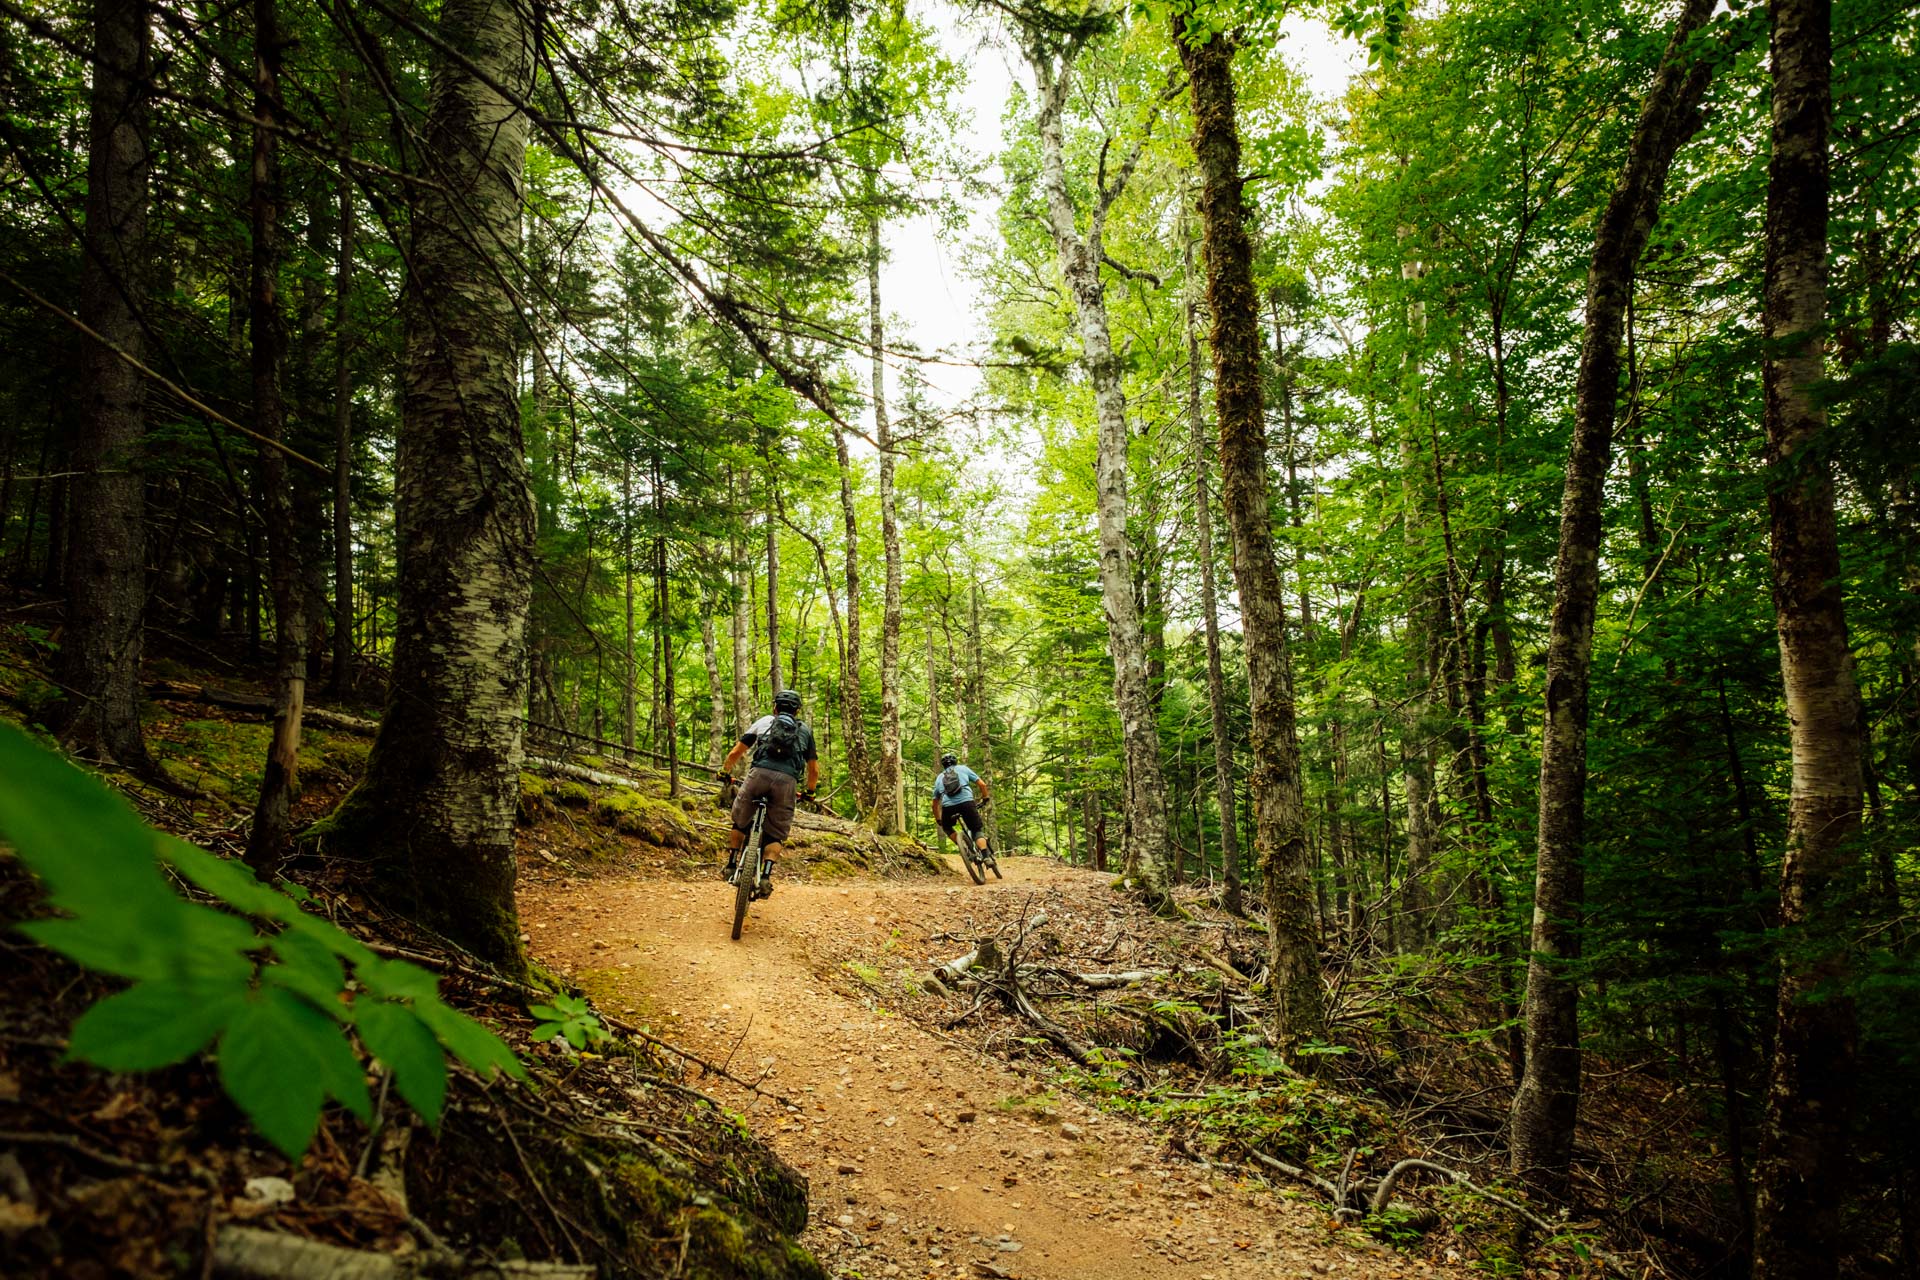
x: 926, y: 1158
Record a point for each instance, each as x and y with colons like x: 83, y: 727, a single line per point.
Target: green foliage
x: 572, y: 1019
x: 256, y: 977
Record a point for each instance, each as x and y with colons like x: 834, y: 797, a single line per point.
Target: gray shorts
x: 778, y: 787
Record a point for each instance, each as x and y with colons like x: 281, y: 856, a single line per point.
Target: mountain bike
x: 746, y: 875
x: 978, y: 861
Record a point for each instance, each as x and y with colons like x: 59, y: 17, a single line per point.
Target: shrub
x: 262, y: 980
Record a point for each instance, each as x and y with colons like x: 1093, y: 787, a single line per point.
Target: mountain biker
x: 782, y: 752
x: 953, y: 791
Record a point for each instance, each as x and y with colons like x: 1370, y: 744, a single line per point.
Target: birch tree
x: 1080, y: 255
x: 436, y: 808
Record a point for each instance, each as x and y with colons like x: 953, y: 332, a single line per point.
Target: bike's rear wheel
x: 746, y: 877
x: 995, y: 864
x: 972, y: 858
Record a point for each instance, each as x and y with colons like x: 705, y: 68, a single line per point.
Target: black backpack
x: 950, y: 781
x: 781, y: 740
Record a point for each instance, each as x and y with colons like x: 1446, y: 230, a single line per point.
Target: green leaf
x: 225, y: 879
x: 160, y: 939
x: 396, y: 979
x: 308, y: 967
x: 265, y: 1074
x: 333, y: 938
x: 105, y: 946
x: 467, y: 1040
x: 153, y: 1024
x: 71, y: 830
x: 396, y: 1037
x: 339, y: 1068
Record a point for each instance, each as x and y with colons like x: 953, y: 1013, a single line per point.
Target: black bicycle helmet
x: 949, y: 760
x: 787, y: 700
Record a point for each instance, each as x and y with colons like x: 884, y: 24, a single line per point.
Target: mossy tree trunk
x: 1280, y: 819
x: 106, y: 579
x: 1804, y: 1157
x: 852, y: 699
x: 267, y: 840
x: 340, y: 678
x: 1223, y: 771
x: 1546, y: 1108
x: 436, y: 809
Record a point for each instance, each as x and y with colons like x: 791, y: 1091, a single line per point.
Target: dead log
x: 228, y: 700
x: 249, y: 1253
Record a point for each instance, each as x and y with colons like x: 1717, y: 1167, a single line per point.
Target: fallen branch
x: 954, y: 969
x: 1379, y: 1201
x: 320, y: 717
x: 1108, y: 981
x: 249, y: 1253
x: 1017, y: 998
x: 1300, y: 1175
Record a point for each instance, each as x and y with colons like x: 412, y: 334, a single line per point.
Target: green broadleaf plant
x: 571, y: 1019
x: 263, y: 981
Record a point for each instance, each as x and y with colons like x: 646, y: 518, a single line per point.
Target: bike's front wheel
x: 746, y: 877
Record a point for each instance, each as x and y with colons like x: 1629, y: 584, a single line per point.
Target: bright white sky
x: 930, y: 301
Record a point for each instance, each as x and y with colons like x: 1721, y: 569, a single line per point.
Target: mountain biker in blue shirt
x: 776, y: 773
x: 953, y: 800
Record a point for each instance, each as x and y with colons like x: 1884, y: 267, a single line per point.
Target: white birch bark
x: 437, y: 807
x: 1080, y: 256
x: 890, y: 810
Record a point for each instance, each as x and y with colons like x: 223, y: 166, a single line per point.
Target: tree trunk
x: 100, y: 652
x: 740, y: 640
x: 628, y: 695
x: 1419, y: 750
x: 267, y: 840
x: 981, y: 741
x: 1209, y: 603
x: 933, y: 698
x: 1546, y: 1108
x: 663, y: 625
x: 1802, y: 1175
x: 890, y: 811
x: 436, y: 810
x: 774, y: 681
x: 716, y: 696
x: 1080, y: 257
x: 852, y: 698
x: 340, y: 679
x: 1280, y: 819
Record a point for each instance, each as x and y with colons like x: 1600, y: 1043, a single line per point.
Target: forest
x: 1423, y: 523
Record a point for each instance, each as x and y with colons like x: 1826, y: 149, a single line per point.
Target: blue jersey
x: 967, y: 778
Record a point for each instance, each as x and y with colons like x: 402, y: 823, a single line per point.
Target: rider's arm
x: 813, y: 774
x: 733, y: 757
x: 986, y: 792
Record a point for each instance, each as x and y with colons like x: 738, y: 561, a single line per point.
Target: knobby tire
x: 747, y: 875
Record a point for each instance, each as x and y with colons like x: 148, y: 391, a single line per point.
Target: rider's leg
x: 976, y: 828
